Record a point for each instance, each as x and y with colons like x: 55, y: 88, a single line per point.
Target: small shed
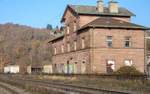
x: 11, y: 69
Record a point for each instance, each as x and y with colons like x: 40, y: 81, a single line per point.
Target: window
x: 83, y: 67
x: 110, y: 66
x: 68, y: 31
x: 75, y: 45
x: 55, y: 51
x: 127, y: 42
x: 109, y: 41
x: 62, y: 48
x: 68, y: 47
x: 75, y: 26
x: 83, y: 43
x: 128, y: 62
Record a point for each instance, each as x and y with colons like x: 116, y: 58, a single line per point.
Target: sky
x: 39, y: 13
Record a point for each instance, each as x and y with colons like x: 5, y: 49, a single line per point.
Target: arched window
x: 68, y: 29
x: 83, y: 43
x: 68, y: 47
x: 75, y: 26
x: 83, y: 67
x: 75, y: 45
x: 55, y: 50
x: 62, y: 48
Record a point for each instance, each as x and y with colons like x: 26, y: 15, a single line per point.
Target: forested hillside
x: 24, y: 45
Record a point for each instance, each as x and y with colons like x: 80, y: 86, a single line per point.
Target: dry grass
x: 134, y: 86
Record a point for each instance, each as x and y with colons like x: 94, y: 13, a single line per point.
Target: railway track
x: 7, y: 89
x: 66, y: 88
x: 84, y: 90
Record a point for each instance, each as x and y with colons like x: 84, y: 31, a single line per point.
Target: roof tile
x: 92, y: 10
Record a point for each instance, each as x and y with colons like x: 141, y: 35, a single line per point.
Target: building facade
x: 147, y: 52
x: 98, y: 39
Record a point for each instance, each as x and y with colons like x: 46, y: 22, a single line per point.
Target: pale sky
x: 39, y: 13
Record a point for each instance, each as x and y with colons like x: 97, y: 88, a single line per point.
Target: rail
x: 66, y: 87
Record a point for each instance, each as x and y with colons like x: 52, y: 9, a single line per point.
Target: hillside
x: 24, y: 45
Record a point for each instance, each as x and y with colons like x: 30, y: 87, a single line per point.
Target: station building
x: 98, y: 39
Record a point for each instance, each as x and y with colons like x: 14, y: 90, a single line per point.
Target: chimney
x: 100, y: 6
x: 113, y: 7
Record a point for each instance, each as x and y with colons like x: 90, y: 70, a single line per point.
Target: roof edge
x: 114, y: 27
x: 56, y: 38
x: 67, y: 7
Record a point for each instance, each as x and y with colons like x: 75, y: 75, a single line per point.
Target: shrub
x: 128, y: 70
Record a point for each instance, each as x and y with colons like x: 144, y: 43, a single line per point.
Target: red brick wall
x: 117, y: 53
x: 96, y: 52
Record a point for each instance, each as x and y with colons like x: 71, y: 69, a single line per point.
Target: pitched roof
x: 92, y: 10
x: 81, y: 9
x: 57, y: 37
x: 108, y: 22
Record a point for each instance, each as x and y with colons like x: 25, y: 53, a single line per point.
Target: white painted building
x: 11, y: 69
x: 47, y: 69
x: 29, y: 69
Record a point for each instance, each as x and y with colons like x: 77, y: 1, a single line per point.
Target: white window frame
x: 111, y: 62
x: 128, y: 62
x: 109, y: 40
x: 127, y: 40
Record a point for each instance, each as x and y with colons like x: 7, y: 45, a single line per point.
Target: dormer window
x: 68, y: 31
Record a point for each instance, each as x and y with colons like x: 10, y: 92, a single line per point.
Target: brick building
x: 147, y: 52
x: 98, y: 39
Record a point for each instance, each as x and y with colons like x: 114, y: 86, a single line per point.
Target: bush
x: 128, y: 70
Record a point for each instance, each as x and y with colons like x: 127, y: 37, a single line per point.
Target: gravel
x: 4, y: 91
x: 9, y: 89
